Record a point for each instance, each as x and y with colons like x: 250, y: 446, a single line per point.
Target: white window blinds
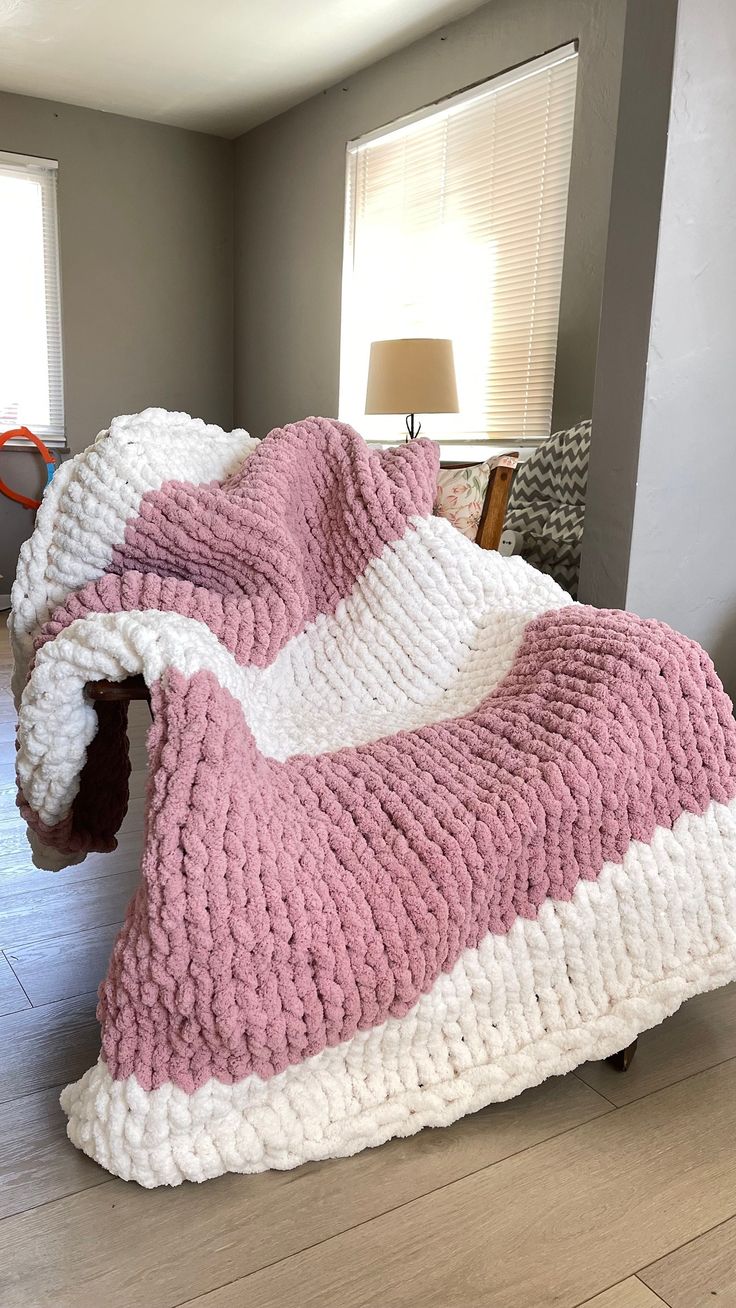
x: 455, y: 226
x: 31, y: 387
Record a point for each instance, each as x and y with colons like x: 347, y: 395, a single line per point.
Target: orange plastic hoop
x: 46, y: 455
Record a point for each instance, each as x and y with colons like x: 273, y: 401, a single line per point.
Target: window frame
x: 473, y: 447
x: 45, y: 171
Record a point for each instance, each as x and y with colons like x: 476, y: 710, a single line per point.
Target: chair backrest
x: 493, y: 517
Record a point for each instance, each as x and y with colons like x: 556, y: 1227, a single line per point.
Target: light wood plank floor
x: 609, y: 1190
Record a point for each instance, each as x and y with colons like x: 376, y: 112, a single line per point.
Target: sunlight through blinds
x: 455, y: 226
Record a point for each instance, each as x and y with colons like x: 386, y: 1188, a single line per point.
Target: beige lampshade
x: 411, y: 375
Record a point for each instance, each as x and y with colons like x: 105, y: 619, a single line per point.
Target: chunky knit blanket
x: 420, y: 831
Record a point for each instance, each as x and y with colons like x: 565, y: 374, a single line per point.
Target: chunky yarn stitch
x: 420, y: 831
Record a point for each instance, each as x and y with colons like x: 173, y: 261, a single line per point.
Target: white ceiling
x: 216, y: 65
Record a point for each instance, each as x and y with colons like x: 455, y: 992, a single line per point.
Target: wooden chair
x: 493, y: 516
x: 493, y: 513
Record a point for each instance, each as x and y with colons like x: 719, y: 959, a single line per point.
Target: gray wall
x: 25, y: 471
x: 290, y: 177
x: 636, y: 195
x: 682, y: 566
x: 145, y: 229
x: 660, y: 534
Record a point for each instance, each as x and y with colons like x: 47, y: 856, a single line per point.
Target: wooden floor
x: 616, y: 1191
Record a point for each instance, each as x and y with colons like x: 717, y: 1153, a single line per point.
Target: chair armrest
x: 493, y: 516
x: 115, y: 692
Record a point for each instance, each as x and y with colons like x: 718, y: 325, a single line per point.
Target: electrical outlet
x: 510, y: 543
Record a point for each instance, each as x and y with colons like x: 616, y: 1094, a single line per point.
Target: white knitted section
x: 578, y: 983
x: 84, y: 511
x: 428, y: 630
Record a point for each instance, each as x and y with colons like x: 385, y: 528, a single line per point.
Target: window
x: 31, y: 391
x: 455, y: 226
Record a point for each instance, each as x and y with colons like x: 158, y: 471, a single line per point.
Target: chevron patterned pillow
x: 547, y: 504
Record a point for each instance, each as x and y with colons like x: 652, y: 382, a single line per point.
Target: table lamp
x: 412, y: 375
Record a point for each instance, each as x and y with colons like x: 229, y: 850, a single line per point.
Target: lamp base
x: 413, y: 427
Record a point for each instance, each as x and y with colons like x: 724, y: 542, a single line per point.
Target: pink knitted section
x: 287, y: 537
x: 257, y: 557
x: 285, y: 906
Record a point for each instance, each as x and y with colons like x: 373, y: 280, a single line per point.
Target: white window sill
x: 20, y: 442
x: 472, y: 452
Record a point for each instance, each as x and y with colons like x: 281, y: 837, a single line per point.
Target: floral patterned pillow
x: 461, y: 493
